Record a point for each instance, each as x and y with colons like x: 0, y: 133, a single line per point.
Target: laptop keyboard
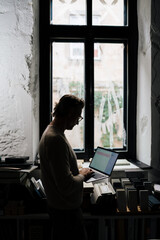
x: 96, y: 175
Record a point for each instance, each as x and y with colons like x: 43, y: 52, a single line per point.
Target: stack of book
x: 15, y: 169
x: 11, y: 176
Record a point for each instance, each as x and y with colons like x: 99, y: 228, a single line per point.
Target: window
x: 88, y: 48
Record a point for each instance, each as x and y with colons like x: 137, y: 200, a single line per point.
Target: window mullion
x: 89, y: 13
x: 89, y: 83
x: 89, y: 96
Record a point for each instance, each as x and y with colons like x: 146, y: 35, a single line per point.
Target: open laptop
x: 102, y: 164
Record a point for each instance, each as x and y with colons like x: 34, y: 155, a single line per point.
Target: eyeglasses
x: 80, y: 119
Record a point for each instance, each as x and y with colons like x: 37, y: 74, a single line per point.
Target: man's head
x: 69, y: 108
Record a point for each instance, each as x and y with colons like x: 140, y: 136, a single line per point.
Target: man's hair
x: 65, y: 104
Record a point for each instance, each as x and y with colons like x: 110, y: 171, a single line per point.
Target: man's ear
x: 71, y: 113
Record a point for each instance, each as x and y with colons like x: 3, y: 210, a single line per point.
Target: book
x: 16, y: 159
x: 41, y: 188
x: 15, y: 171
x: 38, y: 187
x: 16, y: 165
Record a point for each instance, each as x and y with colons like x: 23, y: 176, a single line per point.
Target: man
x: 63, y: 182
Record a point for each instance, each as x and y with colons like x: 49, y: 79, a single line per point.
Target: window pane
x: 108, y: 12
x: 68, y: 78
x: 108, y: 96
x: 70, y: 12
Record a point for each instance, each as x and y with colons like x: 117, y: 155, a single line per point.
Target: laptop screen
x: 104, y: 160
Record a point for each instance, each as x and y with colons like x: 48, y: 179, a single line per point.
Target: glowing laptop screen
x: 104, y: 160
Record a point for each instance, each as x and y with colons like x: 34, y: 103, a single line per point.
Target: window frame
x: 89, y: 34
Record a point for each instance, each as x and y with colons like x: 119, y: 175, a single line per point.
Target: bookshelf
x: 33, y: 223
x: 107, y: 227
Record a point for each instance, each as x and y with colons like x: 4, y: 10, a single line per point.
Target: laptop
x: 102, y: 164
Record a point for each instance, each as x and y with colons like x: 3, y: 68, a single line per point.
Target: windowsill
x: 118, y: 166
x: 127, y: 166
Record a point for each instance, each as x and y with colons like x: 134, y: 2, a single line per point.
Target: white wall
x: 144, y: 83
x: 19, y: 77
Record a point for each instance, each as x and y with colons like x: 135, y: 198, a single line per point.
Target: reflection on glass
x: 108, y: 12
x: 68, y: 78
x: 68, y: 12
x: 108, y: 96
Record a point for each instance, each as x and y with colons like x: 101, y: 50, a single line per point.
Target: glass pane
x: 68, y: 78
x: 108, y: 96
x: 68, y: 12
x: 108, y: 12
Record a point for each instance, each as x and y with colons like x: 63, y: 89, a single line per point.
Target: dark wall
x: 155, y: 84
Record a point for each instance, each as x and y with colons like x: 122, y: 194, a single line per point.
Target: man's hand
x: 86, y: 172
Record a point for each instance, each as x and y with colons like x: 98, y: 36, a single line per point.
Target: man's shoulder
x: 53, y: 136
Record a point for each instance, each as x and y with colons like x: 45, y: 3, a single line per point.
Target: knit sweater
x: 59, y: 172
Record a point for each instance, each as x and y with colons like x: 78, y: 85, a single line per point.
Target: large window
x: 88, y: 48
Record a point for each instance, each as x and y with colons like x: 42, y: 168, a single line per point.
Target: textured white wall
x: 19, y: 77
x: 144, y: 83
